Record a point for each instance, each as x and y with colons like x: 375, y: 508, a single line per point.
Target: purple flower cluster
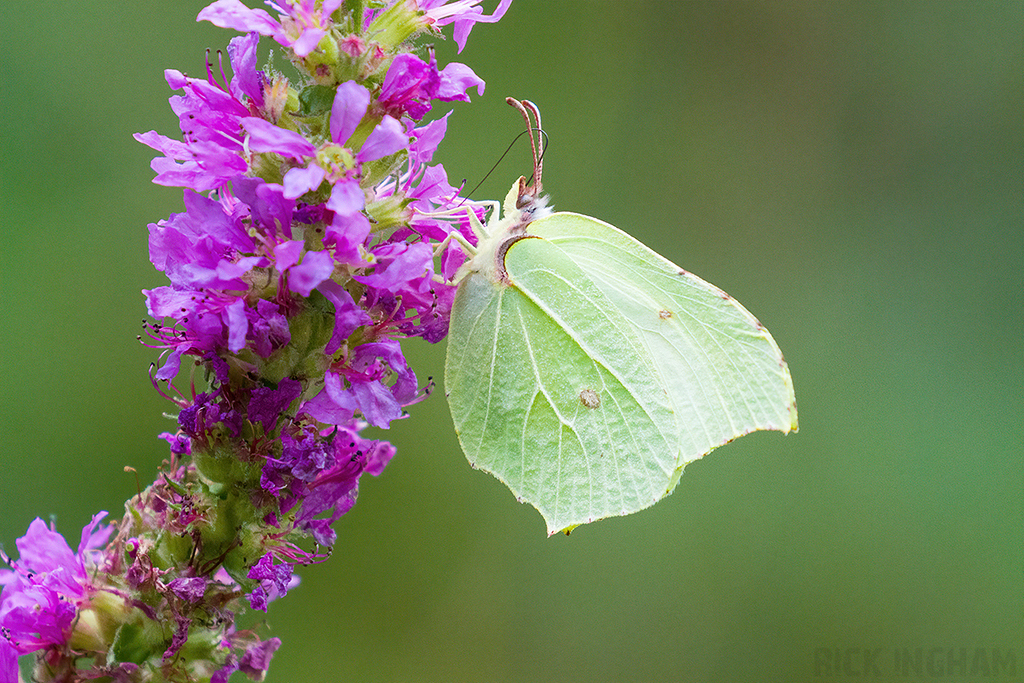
x: 311, y: 256
x: 47, y: 585
x: 304, y: 254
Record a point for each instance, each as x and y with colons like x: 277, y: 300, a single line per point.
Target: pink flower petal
x: 346, y: 198
x: 233, y: 14
x: 266, y: 137
x: 299, y: 181
x: 316, y: 267
x: 348, y: 110
x: 387, y: 138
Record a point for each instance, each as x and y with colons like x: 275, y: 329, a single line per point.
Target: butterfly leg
x: 460, y: 239
x: 480, y: 230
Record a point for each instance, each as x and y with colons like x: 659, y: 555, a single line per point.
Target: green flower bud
x: 397, y: 24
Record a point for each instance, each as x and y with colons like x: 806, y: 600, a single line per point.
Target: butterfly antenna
x: 544, y: 138
x: 526, y: 107
x: 495, y: 166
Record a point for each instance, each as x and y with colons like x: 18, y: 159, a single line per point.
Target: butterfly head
x: 524, y: 201
x: 524, y: 204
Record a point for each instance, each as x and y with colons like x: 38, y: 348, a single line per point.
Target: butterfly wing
x: 601, y: 370
x: 725, y: 374
x: 554, y: 392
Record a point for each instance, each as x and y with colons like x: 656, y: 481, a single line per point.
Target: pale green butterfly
x: 585, y: 371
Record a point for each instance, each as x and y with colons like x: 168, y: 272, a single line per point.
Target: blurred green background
x: 850, y: 171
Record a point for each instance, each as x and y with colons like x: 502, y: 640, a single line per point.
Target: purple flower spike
x: 375, y: 402
x: 267, y: 405
x: 427, y: 139
x: 347, y: 314
x: 303, y: 259
x: 456, y: 80
x: 274, y: 581
x: 409, y: 86
x: 189, y: 589
x: 316, y: 267
x: 247, y: 82
x: 209, y: 115
x: 299, y: 181
x: 256, y: 659
x: 301, y: 30
x: 346, y: 198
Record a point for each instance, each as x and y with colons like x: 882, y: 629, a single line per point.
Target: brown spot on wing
x: 590, y: 399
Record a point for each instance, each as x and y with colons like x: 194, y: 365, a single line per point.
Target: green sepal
x: 139, y: 640
x: 268, y: 166
x: 316, y: 100
x: 214, y: 465
x: 355, y: 9
x: 302, y: 358
x: 98, y: 621
x: 228, y: 526
x: 394, y: 26
x: 378, y: 170
x: 170, y: 550
x: 389, y: 212
x: 322, y: 62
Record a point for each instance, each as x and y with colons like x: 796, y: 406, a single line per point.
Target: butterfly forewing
x: 725, y: 374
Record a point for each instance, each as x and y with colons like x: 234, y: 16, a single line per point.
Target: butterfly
x: 585, y: 371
